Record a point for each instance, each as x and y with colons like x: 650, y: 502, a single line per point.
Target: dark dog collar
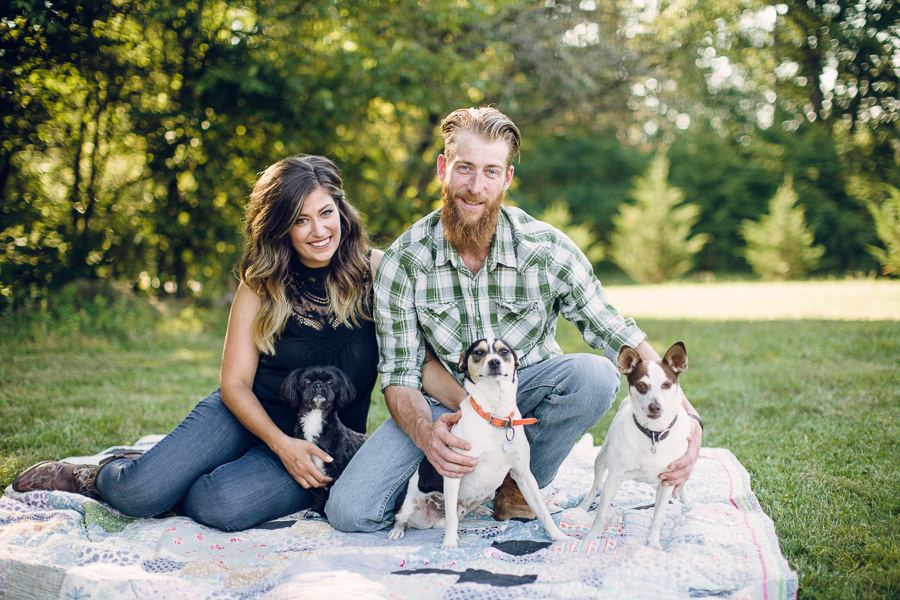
x: 500, y: 421
x: 655, y: 436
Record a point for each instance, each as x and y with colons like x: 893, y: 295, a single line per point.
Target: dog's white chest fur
x: 312, y: 428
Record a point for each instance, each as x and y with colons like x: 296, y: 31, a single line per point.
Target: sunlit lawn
x: 810, y: 407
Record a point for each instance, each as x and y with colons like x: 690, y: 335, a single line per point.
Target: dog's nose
x: 317, y: 385
x: 494, y: 363
x: 654, y: 408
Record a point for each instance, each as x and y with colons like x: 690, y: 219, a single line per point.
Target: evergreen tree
x: 558, y: 215
x: 887, y: 226
x: 652, y: 240
x: 779, y: 245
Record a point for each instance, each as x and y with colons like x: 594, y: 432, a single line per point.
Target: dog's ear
x: 289, y: 391
x: 676, y: 357
x: 463, y: 364
x: 344, y: 391
x: 628, y: 359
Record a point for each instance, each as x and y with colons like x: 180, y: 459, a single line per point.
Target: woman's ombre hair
x: 275, y: 204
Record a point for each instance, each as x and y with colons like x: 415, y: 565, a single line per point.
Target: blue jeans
x: 212, y: 468
x: 567, y: 395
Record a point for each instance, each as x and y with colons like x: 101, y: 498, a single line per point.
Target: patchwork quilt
x: 64, y: 546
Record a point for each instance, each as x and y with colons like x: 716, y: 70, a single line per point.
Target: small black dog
x: 317, y: 393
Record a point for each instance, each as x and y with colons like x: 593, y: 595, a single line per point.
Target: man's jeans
x: 567, y: 395
x: 212, y: 468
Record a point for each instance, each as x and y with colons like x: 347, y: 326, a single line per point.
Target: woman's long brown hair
x: 275, y: 204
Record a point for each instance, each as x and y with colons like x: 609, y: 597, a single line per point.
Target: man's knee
x: 592, y: 381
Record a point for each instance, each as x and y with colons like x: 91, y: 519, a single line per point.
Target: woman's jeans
x: 567, y: 395
x: 212, y: 468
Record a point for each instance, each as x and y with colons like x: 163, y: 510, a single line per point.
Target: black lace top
x: 312, y: 336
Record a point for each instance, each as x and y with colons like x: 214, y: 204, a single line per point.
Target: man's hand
x: 680, y: 470
x: 438, y: 444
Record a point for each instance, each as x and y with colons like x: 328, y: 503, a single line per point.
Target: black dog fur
x: 326, y: 389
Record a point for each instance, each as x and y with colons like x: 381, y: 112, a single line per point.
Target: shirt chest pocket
x: 520, y: 323
x: 443, y: 327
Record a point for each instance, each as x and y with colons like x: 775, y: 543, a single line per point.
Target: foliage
x: 132, y: 130
x: 558, y: 215
x: 652, y: 241
x: 83, y: 309
x: 732, y: 182
x: 887, y: 226
x: 779, y: 245
x: 590, y: 173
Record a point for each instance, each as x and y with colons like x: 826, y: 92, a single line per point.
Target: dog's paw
x: 654, y: 544
x: 482, y: 510
x: 559, y: 536
x: 396, y: 533
x: 451, y: 541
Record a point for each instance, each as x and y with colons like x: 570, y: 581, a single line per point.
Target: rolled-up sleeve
x: 400, y: 341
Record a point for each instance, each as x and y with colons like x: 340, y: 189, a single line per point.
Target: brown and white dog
x: 649, y: 431
x: 492, y: 424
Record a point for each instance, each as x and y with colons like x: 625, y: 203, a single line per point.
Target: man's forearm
x: 409, y: 409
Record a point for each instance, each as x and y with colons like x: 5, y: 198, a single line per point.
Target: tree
x: 887, y: 225
x: 652, y: 241
x: 558, y: 215
x: 779, y: 245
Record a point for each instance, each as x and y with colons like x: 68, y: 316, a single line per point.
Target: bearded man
x: 472, y: 269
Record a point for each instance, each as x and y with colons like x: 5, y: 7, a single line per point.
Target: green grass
x: 810, y: 408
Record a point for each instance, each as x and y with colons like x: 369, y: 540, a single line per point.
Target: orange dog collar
x: 500, y: 421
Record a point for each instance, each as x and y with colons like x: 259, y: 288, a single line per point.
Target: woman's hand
x: 297, y: 457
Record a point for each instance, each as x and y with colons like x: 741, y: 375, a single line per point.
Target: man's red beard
x: 464, y: 231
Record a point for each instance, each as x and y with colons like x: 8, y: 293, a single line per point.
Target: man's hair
x: 487, y: 122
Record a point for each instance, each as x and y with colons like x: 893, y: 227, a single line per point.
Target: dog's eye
x: 478, y: 354
x: 503, y: 352
x: 666, y: 385
x: 641, y: 387
x: 328, y: 382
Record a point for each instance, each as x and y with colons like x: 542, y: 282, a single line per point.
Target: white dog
x: 647, y: 434
x: 492, y: 424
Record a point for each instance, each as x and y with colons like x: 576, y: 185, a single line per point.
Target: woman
x: 304, y: 299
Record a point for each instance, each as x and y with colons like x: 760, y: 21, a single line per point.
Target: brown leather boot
x: 57, y: 476
x: 510, y: 504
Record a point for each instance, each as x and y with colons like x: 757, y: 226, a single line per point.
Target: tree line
x: 132, y: 130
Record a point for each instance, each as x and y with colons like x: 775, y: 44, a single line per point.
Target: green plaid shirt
x: 532, y: 274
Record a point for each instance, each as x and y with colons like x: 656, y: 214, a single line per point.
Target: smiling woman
x: 304, y: 300
x: 317, y: 233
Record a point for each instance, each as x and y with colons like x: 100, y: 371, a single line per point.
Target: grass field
x: 810, y: 406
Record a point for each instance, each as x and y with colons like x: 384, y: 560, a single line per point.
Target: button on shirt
x: 533, y: 273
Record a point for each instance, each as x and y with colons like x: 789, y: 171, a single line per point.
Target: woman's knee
x: 128, y: 488
x: 215, y: 505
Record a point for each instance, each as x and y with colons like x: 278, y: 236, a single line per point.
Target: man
x: 473, y: 269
